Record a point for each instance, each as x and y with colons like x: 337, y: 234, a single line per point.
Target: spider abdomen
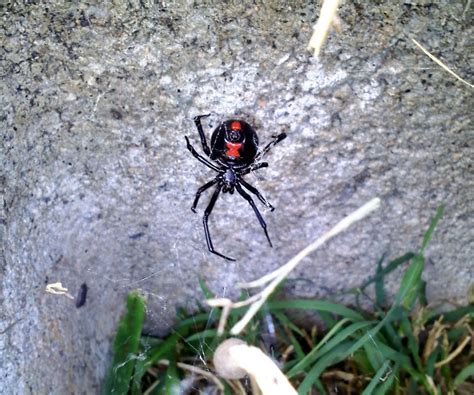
x: 234, y: 142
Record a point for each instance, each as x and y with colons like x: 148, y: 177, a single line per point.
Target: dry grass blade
x: 275, y: 278
x: 440, y: 63
x: 196, y: 370
x: 286, y: 353
x: 352, y: 218
x: 322, y: 26
x: 339, y: 374
x: 433, y: 336
x: 431, y: 384
x: 237, y: 387
x: 455, y: 353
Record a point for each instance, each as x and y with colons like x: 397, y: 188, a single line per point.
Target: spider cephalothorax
x: 235, y: 153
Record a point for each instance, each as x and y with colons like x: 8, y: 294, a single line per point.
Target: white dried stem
x: 274, y: 278
x: 234, y: 359
x: 195, y: 370
x: 58, y: 289
x: 321, y: 29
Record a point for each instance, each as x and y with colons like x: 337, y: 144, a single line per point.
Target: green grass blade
x: 374, y: 355
x: 456, y: 315
x: 285, y: 322
x: 413, y: 345
x: 154, y: 354
x: 172, y: 382
x: 362, y: 362
x: 325, y: 346
x: 432, y: 359
x: 336, y: 355
x: 302, y: 364
x: 205, y: 346
x: 422, y: 299
x: 387, y: 382
x: 194, y: 321
x: 320, y: 387
x: 227, y: 389
x: 389, y: 268
x: 468, y: 371
x: 200, y: 336
x: 318, y: 305
x: 345, y: 333
x: 379, y: 281
x: 413, y: 387
x: 126, y: 345
x: 329, y: 320
x: 149, y: 341
x: 296, y: 346
x: 165, y: 349
x: 371, y: 333
x: 455, y: 334
x: 397, y: 262
x: 431, y: 228
x: 386, y: 352
x: 369, y: 390
x: 158, y: 386
x: 410, y: 283
x: 205, y: 289
x: 392, y: 336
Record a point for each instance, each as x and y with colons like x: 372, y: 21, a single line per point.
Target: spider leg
x: 276, y: 140
x: 201, y: 190
x: 197, y: 122
x: 256, y: 167
x: 256, y: 192
x: 247, y: 197
x: 206, y: 227
x: 200, y: 158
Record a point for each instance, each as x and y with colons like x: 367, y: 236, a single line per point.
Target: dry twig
x: 195, y: 370
x: 321, y: 28
x: 274, y: 278
x: 440, y: 63
x: 58, y: 289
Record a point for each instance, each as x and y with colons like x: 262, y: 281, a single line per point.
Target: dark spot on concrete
x: 361, y: 177
x: 59, y: 259
x: 81, y: 296
x: 83, y: 21
x: 116, y: 114
x: 136, y: 235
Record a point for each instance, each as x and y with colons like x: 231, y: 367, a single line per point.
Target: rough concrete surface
x: 97, y: 182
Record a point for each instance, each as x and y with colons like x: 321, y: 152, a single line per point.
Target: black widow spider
x: 234, y: 150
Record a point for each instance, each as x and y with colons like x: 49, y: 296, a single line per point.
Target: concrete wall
x: 98, y: 184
